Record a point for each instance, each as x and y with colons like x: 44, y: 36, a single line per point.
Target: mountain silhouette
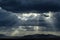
x: 35, y: 37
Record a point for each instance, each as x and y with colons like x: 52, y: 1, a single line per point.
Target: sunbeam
x: 36, y: 29
x: 47, y: 17
x: 17, y: 30
x: 50, y: 20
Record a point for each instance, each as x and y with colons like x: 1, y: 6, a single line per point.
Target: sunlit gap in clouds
x: 26, y: 16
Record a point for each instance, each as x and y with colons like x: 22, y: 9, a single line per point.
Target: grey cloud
x: 7, y: 19
x: 30, y: 5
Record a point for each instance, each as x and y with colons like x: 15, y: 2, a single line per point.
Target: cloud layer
x: 9, y: 19
x: 30, y: 5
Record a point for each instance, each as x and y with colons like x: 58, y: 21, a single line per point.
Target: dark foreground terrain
x: 35, y: 37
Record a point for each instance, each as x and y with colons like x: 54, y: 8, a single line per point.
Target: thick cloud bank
x: 30, y: 5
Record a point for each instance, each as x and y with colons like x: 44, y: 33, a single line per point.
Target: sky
x: 29, y: 15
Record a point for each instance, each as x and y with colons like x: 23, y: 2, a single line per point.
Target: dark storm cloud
x: 7, y: 19
x: 30, y: 5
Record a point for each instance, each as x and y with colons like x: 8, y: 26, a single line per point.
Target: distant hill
x: 35, y: 37
x: 40, y: 36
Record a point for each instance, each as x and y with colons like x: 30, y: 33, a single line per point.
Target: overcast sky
x: 30, y: 13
